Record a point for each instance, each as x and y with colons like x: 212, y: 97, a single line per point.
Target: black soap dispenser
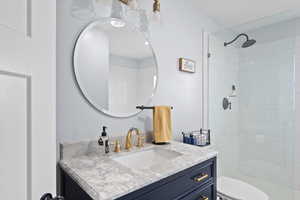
x: 103, y: 136
x: 103, y: 140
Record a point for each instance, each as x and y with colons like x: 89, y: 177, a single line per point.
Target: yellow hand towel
x: 162, y: 124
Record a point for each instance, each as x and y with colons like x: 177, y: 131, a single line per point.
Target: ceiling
x: 249, y: 13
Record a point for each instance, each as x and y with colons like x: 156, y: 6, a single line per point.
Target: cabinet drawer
x: 201, y: 174
x: 178, y: 185
x: 206, y: 192
x: 172, y: 190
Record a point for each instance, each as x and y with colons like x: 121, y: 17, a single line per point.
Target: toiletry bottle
x: 104, y: 140
x: 106, y: 146
x: 103, y: 136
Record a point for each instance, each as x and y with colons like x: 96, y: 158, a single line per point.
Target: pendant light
x: 117, y: 14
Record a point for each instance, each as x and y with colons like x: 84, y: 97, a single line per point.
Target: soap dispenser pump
x: 103, y: 140
x: 103, y: 136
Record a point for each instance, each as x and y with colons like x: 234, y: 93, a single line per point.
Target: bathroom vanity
x: 168, y: 172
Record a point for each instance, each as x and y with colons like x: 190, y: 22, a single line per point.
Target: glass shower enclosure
x: 258, y: 139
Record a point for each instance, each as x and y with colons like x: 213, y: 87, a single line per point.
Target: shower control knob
x: 226, y: 103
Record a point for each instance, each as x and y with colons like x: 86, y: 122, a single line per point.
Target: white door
x: 27, y: 99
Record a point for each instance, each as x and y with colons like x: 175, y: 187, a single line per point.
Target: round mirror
x: 115, y: 67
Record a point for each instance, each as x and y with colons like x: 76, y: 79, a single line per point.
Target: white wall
x: 179, y: 36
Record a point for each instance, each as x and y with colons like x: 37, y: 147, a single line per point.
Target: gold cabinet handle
x: 201, y: 178
x: 204, y: 198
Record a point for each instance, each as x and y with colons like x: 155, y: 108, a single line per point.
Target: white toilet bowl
x: 232, y: 189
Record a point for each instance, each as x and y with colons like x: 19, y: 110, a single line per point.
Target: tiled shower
x: 258, y: 139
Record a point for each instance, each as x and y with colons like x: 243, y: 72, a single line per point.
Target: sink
x: 146, y: 159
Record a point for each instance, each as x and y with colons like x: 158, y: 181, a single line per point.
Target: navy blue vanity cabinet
x: 195, y: 183
x: 199, y: 179
x: 70, y: 190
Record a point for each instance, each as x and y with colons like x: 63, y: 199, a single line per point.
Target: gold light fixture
x: 156, y: 11
x: 125, y: 1
x: 156, y: 6
x: 90, y: 9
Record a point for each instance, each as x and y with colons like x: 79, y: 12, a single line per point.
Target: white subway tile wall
x: 265, y: 127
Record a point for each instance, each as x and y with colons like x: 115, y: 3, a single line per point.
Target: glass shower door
x: 257, y: 139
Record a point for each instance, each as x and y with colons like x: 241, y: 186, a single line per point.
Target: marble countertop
x: 103, y: 178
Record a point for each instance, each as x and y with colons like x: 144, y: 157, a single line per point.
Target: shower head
x: 248, y: 43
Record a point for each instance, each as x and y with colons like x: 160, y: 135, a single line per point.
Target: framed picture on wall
x: 187, y: 65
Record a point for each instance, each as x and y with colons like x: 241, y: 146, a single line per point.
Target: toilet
x: 232, y: 189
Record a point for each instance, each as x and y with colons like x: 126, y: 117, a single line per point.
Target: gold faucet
x: 128, y: 144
